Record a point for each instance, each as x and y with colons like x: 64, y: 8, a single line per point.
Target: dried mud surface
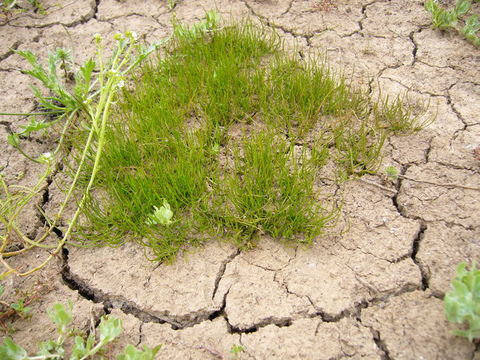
x: 372, y: 292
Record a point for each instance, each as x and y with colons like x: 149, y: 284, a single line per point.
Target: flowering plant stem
x: 110, y: 79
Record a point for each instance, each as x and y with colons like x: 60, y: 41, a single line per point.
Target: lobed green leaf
x: 462, y: 303
x: 61, y: 316
x: 11, y: 351
x: 110, y: 329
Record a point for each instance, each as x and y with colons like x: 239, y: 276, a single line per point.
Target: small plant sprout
x: 7, y: 6
x: 215, y: 148
x: 66, y: 62
x: 462, y: 303
x: 162, y: 215
x: 235, y: 350
x: 392, y: 173
x: 19, y: 306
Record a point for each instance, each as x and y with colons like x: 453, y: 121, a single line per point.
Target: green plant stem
x: 103, y: 106
x: 30, y: 114
x: 19, y: 206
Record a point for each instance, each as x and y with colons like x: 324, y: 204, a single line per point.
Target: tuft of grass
x: 269, y: 189
x: 174, y: 139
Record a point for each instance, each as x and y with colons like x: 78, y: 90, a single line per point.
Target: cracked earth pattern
x: 372, y: 292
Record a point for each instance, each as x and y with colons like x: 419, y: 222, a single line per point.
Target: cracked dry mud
x: 373, y: 291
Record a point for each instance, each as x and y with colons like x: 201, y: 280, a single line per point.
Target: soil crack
x: 45, y: 198
x: 278, y: 322
x: 415, y: 46
x: 78, y: 21
x: 110, y: 302
x: 380, y: 343
x: 288, y: 8
x: 221, y: 271
x: 95, y: 9
x: 11, y: 50
x: 415, y: 248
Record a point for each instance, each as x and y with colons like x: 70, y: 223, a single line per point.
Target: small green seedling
x: 392, y: 173
x: 209, y: 24
x: 83, y: 348
x: 462, y: 303
x: 235, y: 350
x: 19, y: 307
x: 162, y: 215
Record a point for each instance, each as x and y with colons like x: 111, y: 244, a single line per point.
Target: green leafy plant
x: 84, y: 347
x: 162, y: 215
x: 462, y: 303
x: 87, y: 104
x: 445, y: 19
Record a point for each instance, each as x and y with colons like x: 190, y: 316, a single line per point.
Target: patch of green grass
x: 219, y: 127
x: 268, y: 189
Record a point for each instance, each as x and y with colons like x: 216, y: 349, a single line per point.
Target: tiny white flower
x: 45, y: 158
x: 132, y: 34
x: 112, y: 72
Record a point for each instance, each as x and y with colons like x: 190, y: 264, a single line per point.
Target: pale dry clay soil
x: 373, y: 292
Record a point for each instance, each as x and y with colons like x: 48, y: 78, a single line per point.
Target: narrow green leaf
x: 462, y: 7
x: 13, y: 140
x: 29, y: 56
x: 431, y: 6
